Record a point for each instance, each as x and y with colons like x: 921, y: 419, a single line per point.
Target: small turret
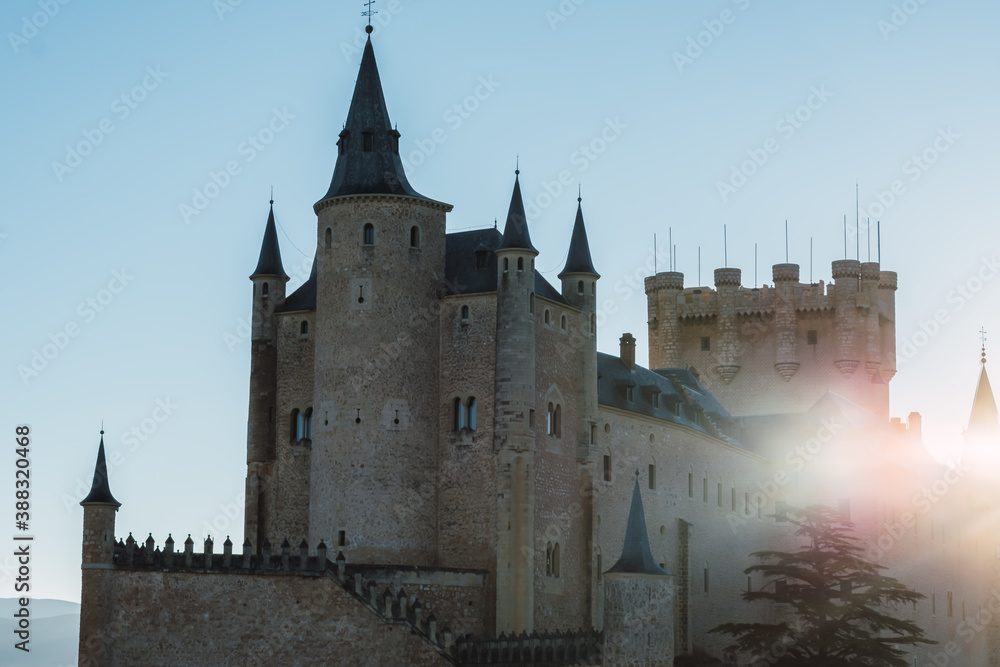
x: 786, y: 279
x: 727, y: 283
x: 846, y: 276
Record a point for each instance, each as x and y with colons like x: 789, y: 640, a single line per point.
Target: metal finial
x: 494, y: 223
x: 369, y: 13
x: 517, y: 165
x: 272, y: 195
x: 637, y: 473
x: 982, y: 336
x: 102, y: 427
x: 579, y: 193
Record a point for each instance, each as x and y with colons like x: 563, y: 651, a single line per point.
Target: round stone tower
x: 786, y: 278
x: 846, y: 276
x: 662, y: 292
x: 727, y: 283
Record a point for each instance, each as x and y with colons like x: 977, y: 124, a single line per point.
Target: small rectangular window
x: 531, y: 419
x: 719, y: 494
x: 706, y: 343
x: 706, y: 579
x: 342, y: 538
x: 690, y: 485
x: 593, y: 434
x: 630, y: 394
x: 933, y: 604
x: 950, y: 609
x: 734, y: 498
x: 811, y: 337
x: 652, y: 476
x: 607, y: 468
x: 704, y: 490
x: 369, y: 142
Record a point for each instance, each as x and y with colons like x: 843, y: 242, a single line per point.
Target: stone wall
x: 638, y: 620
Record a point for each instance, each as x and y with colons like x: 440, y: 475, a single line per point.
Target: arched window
x: 562, y: 323
x: 472, y: 413
x: 579, y: 287
x: 328, y: 238
x: 520, y: 263
x: 264, y: 290
x: 459, y: 414
x: 414, y: 237
x: 307, y: 425
x: 304, y: 328
x: 296, y: 424
x: 550, y: 421
x: 546, y: 316
x: 505, y: 264
x: 548, y: 559
x: 369, y: 235
x: 465, y: 312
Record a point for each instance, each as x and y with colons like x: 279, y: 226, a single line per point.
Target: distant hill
x: 55, y: 630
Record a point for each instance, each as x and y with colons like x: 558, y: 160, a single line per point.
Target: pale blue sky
x: 554, y: 86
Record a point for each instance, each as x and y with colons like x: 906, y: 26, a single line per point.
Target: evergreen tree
x: 837, y: 600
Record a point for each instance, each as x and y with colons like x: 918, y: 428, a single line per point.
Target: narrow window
x: 531, y: 419
x: 505, y: 264
x: 328, y: 238
x: 704, y: 490
x: 593, y: 289
x: 706, y: 343
x: 307, y: 425
x: 545, y: 317
x: 811, y: 337
x: 706, y: 578
x: 414, y: 237
x: 520, y: 263
x: 368, y: 141
x: 344, y: 141
x: 690, y: 485
x: 472, y: 413
x: 465, y: 312
x: 555, y: 560
x: 304, y: 329
x: 607, y: 468
x: 652, y: 476
x: 548, y: 559
x: 457, y: 414
x: 593, y: 434
x: 264, y: 290
x: 655, y: 399
x: 950, y: 610
x: 482, y: 258
x: 579, y: 287
x: 341, y: 538
x: 300, y: 425
x: 369, y: 235
x: 562, y: 323
x: 933, y: 604
x: 394, y: 141
x: 550, y: 423
x: 599, y: 568
x: 629, y: 394
x: 531, y: 303
x: 719, y: 494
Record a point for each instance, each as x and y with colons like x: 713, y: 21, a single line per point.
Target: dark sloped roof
x: 674, y: 386
x: 463, y: 275
x: 100, y: 491
x: 984, y: 406
x: 515, y: 230
x: 378, y: 170
x: 304, y: 298
x: 637, y: 558
x: 269, y: 263
x: 578, y: 260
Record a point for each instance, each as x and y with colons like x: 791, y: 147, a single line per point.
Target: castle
x: 442, y: 469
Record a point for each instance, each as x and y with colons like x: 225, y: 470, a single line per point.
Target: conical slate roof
x: 100, y: 492
x: 578, y: 260
x: 269, y: 263
x: 515, y: 230
x: 636, y: 555
x: 984, y: 406
x: 368, y: 160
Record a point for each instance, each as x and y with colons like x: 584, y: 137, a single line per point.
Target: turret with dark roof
x: 578, y: 260
x: 368, y: 157
x: 515, y: 230
x: 269, y: 263
x: 100, y: 491
x: 637, y: 558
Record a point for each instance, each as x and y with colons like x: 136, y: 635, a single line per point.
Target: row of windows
x: 812, y: 338
x: 368, y: 237
x: 367, y: 141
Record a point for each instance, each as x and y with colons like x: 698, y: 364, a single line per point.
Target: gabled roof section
x: 515, y: 230
x: 578, y: 260
x: 984, y: 406
x: 100, y: 491
x: 304, y: 298
x: 368, y: 157
x: 637, y: 558
x: 269, y: 263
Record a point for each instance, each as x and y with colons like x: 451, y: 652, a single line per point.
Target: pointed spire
x: 100, y: 491
x: 578, y: 260
x: 515, y: 230
x: 636, y: 555
x: 368, y: 159
x: 984, y: 406
x: 269, y: 263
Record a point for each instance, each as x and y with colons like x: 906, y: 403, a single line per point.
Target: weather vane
x: 369, y: 15
x: 982, y: 336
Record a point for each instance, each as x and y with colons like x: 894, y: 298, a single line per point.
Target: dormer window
x: 394, y: 141
x: 482, y: 258
x: 345, y: 137
x: 367, y: 142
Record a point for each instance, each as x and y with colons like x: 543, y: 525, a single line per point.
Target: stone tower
x: 638, y: 600
x: 269, y: 280
x: 514, y: 427
x: 379, y: 275
x: 99, y: 508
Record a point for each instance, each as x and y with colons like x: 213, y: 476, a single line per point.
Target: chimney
x: 914, y: 426
x: 627, y: 342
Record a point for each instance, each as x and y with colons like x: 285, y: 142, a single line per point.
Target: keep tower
x: 379, y: 270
